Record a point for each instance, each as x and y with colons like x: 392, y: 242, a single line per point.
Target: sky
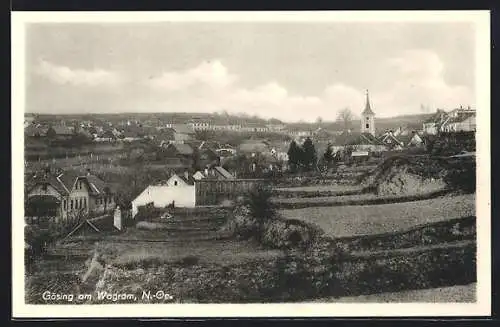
x: 293, y: 71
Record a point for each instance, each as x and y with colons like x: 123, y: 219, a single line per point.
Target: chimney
x: 186, y: 174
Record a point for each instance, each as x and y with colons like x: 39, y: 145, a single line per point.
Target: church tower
x: 368, y: 118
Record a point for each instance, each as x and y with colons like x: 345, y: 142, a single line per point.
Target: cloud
x: 78, y: 77
x: 418, y: 77
x: 211, y: 74
x: 414, y: 78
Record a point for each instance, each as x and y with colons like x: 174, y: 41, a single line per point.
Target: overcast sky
x: 291, y: 71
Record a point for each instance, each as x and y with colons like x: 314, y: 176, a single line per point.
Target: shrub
x: 462, y: 176
x: 288, y: 233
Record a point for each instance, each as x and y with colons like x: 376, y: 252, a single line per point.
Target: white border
x: 482, y: 307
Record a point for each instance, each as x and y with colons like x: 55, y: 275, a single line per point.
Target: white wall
x: 163, y: 195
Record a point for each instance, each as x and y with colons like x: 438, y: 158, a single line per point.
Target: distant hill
x: 382, y: 124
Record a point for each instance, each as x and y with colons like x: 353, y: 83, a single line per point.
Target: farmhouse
x: 61, y: 195
x: 177, y: 154
x: 358, y: 142
x: 184, y: 190
x: 183, y: 133
x: 60, y: 132
x: 178, y: 190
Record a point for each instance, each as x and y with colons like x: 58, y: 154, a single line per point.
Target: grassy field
x: 316, y: 188
x: 459, y: 293
x: 345, y: 221
x: 132, y: 254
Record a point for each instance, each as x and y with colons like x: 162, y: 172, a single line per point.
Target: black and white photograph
x: 251, y: 164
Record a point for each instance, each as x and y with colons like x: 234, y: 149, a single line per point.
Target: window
x: 367, y: 125
x: 85, y: 202
x: 65, y: 205
x: 175, y: 183
x: 367, y: 118
x: 71, y: 204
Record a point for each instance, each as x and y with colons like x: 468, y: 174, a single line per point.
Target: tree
x: 294, y: 155
x: 319, y: 120
x: 308, y: 154
x: 328, y: 155
x: 345, y: 117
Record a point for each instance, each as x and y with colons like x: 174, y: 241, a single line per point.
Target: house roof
x: 190, y: 180
x: 182, y: 148
x: 460, y: 118
x: 437, y: 117
x: 223, y: 172
x: 64, y: 182
x: 350, y: 138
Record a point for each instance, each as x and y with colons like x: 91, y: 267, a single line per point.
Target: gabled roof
x: 190, y: 180
x: 64, y: 182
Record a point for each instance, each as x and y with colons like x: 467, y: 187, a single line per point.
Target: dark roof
x: 64, y: 182
x: 223, y: 172
x: 350, y: 138
x: 182, y: 148
x: 368, y: 109
x: 190, y: 180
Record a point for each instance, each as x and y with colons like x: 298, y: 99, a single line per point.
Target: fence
x: 212, y: 192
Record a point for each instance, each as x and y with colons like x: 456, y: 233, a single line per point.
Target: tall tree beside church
x: 308, y: 154
x: 345, y: 117
x: 294, y: 155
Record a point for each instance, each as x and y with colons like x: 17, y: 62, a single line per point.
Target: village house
x: 460, y: 120
x: 253, y: 147
x: 184, y: 190
x: 433, y: 124
x: 457, y: 120
x: 179, y: 154
x: 60, y: 132
x: 36, y: 131
x: 29, y: 119
x: 183, y: 133
x: 60, y: 195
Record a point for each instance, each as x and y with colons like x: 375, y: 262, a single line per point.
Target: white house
x: 179, y: 190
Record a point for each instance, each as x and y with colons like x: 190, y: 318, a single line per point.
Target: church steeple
x: 368, y: 108
x: 368, y: 118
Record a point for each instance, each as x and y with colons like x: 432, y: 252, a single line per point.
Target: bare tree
x: 345, y: 116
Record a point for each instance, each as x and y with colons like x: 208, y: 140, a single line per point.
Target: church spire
x: 368, y: 109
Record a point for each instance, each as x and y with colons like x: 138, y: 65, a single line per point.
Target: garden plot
x: 343, y: 221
